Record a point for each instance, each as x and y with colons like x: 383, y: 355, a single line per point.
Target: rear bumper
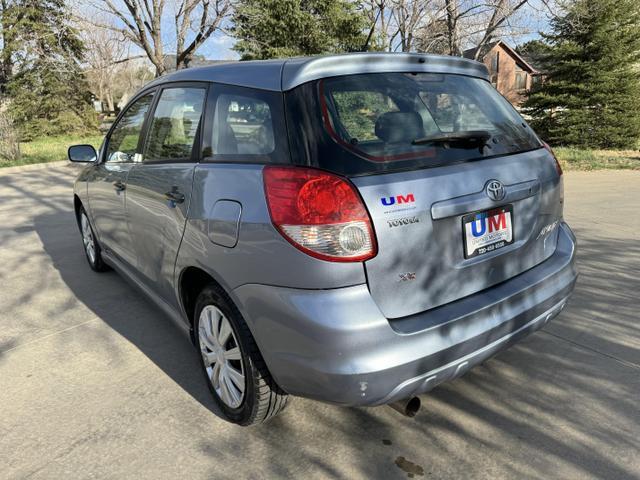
x: 336, y: 346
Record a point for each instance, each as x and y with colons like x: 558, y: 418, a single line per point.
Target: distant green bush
x: 66, y: 123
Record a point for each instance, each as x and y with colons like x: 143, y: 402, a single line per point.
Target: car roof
x: 285, y: 74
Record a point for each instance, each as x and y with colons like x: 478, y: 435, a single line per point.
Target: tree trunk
x: 185, y: 61
x: 109, y: 98
x: 452, y: 26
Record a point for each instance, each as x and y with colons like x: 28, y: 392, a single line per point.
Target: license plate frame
x: 489, y: 241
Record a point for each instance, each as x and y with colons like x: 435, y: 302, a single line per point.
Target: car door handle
x: 119, y: 186
x: 174, y: 196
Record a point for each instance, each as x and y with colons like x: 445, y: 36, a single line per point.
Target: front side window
x: 123, y: 141
x: 174, y: 125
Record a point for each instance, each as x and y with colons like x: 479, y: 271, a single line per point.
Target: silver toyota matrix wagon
x: 354, y: 229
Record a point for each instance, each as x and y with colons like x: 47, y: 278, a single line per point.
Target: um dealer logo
x: 488, y: 224
x: 398, y: 200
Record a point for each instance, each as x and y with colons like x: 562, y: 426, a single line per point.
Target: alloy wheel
x: 87, y: 238
x: 221, y: 356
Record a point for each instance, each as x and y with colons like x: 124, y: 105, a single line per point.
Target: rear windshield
x: 361, y: 124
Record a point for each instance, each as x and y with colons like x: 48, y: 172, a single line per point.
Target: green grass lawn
x: 579, y: 159
x: 49, y: 149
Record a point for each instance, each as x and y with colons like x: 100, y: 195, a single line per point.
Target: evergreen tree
x: 8, y: 44
x: 591, y: 94
x: 534, y: 51
x: 49, y: 94
x: 288, y: 28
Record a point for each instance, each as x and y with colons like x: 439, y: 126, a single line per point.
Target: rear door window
x: 242, y: 125
x: 245, y: 125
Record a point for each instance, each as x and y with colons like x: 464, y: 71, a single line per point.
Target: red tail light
x: 549, y: 149
x: 319, y: 213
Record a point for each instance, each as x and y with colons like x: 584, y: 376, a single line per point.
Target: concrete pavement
x: 96, y: 383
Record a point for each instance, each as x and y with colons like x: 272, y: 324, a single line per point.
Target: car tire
x: 92, y: 249
x: 232, y: 348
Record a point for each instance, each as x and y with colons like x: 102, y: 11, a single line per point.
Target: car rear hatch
x: 460, y: 190
x: 418, y: 218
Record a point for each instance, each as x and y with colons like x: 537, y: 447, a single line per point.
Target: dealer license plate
x: 487, y: 231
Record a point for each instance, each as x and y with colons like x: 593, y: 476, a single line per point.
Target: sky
x: 218, y: 47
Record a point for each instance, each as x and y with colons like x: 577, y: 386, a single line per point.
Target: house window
x: 521, y: 81
x: 495, y: 63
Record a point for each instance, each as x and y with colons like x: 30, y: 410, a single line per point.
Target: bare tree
x: 104, y: 51
x: 453, y: 40
x: 460, y: 24
x: 395, y: 23
x: 376, y: 12
x: 450, y: 26
x: 492, y: 20
x: 142, y: 21
x: 407, y: 17
x: 132, y: 74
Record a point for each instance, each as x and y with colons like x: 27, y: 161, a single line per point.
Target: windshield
x: 393, y: 121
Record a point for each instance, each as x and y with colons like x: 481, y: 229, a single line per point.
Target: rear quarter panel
x: 261, y: 255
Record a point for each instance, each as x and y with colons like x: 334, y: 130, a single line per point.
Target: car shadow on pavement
x: 123, y: 307
x: 544, y: 407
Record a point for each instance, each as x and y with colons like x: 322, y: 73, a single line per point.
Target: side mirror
x: 82, y: 153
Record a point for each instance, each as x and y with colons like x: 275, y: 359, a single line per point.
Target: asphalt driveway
x: 95, y: 382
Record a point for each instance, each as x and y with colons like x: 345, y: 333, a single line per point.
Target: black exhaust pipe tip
x: 413, y: 406
x: 408, y: 407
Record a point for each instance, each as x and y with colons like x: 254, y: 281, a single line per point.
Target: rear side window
x: 368, y: 123
x: 174, y: 125
x: 245, y: 125
x: 242, y: 125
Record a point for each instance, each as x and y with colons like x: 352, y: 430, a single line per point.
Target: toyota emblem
x: 495, y: 190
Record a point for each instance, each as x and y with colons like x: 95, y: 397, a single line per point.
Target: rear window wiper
x: 475, y: 137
